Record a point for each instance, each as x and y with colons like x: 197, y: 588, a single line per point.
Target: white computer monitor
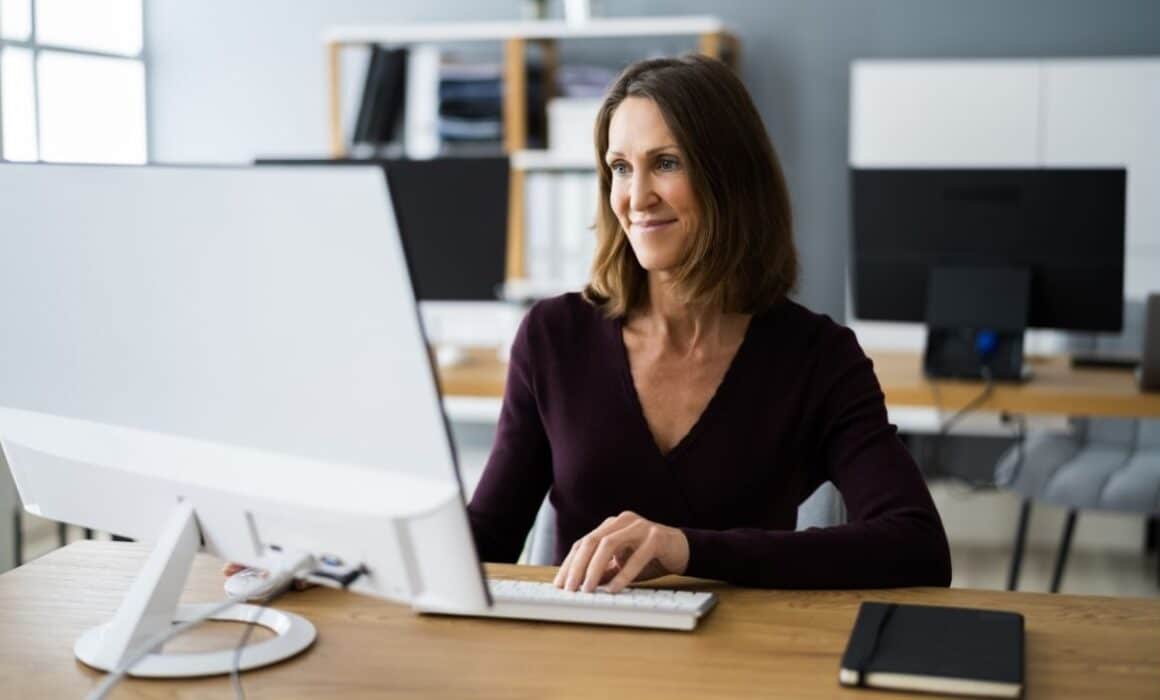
x: 226, y: 359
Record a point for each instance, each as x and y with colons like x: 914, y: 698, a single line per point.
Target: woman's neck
x: 687, y: 329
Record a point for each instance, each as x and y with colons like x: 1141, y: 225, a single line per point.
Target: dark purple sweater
x: 798, y: 406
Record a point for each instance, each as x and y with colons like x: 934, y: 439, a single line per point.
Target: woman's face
x: 651, y: 193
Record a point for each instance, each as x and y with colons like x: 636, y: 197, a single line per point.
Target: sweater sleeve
x: 894, y: 536
x: 519, y: 469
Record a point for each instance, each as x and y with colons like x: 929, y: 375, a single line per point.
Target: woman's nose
x: 641, y: 194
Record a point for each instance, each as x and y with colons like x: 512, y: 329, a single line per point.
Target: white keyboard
x: 632, y: 607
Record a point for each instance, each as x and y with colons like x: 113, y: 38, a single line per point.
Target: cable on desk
x: 344, y: 581
x: 1020, y: 422
x: 235, y: 670
x: 946, y: 425
x: 158, y: 640
x: 115, y: 677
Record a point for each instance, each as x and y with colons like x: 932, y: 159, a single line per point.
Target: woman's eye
x: 668, y: 163
x: 619, y: 167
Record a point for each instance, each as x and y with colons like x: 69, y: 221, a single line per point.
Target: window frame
x: 32, y: 44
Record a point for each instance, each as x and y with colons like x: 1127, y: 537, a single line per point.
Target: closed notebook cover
x: 934, y: 648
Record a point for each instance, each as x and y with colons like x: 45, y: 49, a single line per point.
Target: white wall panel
x: 1142, y: 271
x: 919, y: 113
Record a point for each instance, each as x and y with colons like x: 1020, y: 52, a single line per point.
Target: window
x: 72, y: 81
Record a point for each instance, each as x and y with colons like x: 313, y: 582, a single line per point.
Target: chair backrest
x: 1116, y: 431
x: 542, y: 540
x: 1142, y: 433
x: 1149, y: 436
x: 824, y: 508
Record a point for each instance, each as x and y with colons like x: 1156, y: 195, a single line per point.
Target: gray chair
x: 823, y: 508
x: 1106, y: 464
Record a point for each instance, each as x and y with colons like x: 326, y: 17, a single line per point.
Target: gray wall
x: 231, y: 79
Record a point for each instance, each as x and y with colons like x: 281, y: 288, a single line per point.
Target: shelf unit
x: 713, y: 39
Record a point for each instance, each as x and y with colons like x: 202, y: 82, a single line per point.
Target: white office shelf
x: 541, y: 159
x: 523, y: 29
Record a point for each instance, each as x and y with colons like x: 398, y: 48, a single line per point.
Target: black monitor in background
x: 452, y: 215
x: 980, y: 255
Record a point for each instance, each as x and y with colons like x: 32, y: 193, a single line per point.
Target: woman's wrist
x: 679, y: 548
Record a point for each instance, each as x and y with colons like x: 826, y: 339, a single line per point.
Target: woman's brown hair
x: 743, y: 259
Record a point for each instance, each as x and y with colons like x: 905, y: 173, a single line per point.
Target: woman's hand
x: 231, y: 568
x: 623, y: 549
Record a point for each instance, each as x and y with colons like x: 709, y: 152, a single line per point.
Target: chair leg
x: 1150, y: 531
x: 1020, y: 539
x: 1064, y: 548
x: 18, y: 537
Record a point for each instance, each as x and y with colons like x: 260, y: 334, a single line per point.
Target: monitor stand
x: 975, y: 319
x: 150, y: 607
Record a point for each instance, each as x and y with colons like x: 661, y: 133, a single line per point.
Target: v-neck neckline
x: 707, y: 412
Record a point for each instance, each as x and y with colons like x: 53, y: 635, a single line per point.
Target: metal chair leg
x: 1020, y: 539
x: 18, y: 536
x: 1064, y: 548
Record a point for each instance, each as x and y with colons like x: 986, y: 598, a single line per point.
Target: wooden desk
x: 755, y: 644
x: 1055, y: 388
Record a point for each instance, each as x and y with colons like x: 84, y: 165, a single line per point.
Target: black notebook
x: 960, y: 651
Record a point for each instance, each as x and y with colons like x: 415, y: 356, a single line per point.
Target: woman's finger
x: 602, y: 557
x: 574, y: 567
x: 579, y: 564
x: 562, y: 572
x: 635, y: 564
x: 613, y: 569
x: 232, y: 568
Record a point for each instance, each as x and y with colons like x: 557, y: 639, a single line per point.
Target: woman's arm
x: 519, y: 470
x: 894, y: 536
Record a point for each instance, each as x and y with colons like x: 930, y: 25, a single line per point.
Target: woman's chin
x: 658, y: 264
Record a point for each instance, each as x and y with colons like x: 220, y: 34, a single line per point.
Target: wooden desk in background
x: 756, y: 643
x: 1055, y: 387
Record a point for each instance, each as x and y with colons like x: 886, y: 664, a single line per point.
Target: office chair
x: 823, y: 508
x: 1109, y: 464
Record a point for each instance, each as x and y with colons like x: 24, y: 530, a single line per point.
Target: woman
x: 682, y: 407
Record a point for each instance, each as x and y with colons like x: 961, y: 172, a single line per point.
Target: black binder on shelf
x: 934, y: 649
x: 382, y: 99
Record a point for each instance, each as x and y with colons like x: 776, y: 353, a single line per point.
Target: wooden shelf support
x: 334, y: 75
x: 723, y: 46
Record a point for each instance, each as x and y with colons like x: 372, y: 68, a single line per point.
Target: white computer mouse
x: 255, y: 584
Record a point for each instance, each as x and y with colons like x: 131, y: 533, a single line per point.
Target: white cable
x: 236, y: 669
x: 277, y: 580
x: 111, y: 680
